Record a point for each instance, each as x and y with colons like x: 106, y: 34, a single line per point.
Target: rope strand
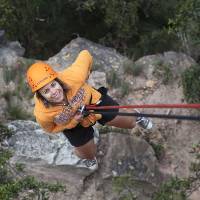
x: 163, y: 116
x: 95, y: 107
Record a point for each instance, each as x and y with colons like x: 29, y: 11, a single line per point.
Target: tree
x: 186, y: 25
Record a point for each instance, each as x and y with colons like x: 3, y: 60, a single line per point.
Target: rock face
x: 9, y: 51
x: 30, y: 142
x: 9, y: 56
x: 50, y: 156
x: 127, y: 154
x: 105, y: 58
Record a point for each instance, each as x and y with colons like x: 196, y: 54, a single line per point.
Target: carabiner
x: 81, y: 109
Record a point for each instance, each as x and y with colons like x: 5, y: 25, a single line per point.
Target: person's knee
x: 87, y: 151
x: 123, y: 122
x: 133, y: 123
x: 78, y: 153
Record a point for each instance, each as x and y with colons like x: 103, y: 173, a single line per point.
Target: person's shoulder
x: 65, y: 76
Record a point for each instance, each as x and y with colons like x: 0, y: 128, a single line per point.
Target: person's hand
x: 78, y: 116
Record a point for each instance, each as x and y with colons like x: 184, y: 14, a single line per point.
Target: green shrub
x: 174, y: 189
x: 4, y: 172
x: 20, y: 167
x: 131, y: 68
x: 185, y: 24
x: 16, y: 74
x: 107, y: 129
x: 4, y: 132
x: 163, y: 71
x: 9, y: 74
x: 191, y: 83
x: 121, y: 24
x: 181, y: 188
x: 10, y: 187
x: 124, y: 89
x: 158, y: 149
x: 41, y: 190
x: 195, y: 166
x: 124, y: 186
x: 115, y: 81
x: 17, y: 112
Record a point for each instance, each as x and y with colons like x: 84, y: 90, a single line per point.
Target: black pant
x: 80, y: 135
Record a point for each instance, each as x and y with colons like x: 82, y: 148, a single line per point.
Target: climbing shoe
x: 89, y: 164
x: 144, y: 122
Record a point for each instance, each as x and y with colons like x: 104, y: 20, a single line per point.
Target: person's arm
x: 80, y: 69
x: 52, y: 127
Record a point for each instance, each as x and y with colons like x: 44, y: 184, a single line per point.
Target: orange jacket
x: 79, y: 93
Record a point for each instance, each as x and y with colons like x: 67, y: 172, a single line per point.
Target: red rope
x: 95, y: 107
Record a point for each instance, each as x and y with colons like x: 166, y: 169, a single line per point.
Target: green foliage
x: 122, y: 17
x: 174, y: 189
x: 115, y: 81
x: 10, y: 188
x: 22, y: 87
x: 20, y: 167
x: 179, y: 188
x: 124, y: 186
x: 107, y: 129
x: 40, y: 189
x: 135, y: 27
x: 8, y: 75
x: 163, y: 71
x: 4, y: 156
x: 4, y: 172
x: 186, y: 25
x: 18, y: 18
x: 104, y: 129
x: 4, y: 132
x: 158, y: 149
x: 138, y: 27
x: 195, y: 166
x: 15, y: 110
x: 31, y: 23
x: 119, y: 16
x: 191, y: 82
x: 16, y: 74
x: 125, y: 88
x: 155, y: 41
x: 131, y: 68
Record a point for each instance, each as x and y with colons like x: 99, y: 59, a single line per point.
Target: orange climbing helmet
x: 40, y: 74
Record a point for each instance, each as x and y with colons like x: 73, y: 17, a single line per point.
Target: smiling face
x: 52, y: 92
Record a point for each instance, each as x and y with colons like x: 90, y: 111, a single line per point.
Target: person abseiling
x: 58, y: 98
